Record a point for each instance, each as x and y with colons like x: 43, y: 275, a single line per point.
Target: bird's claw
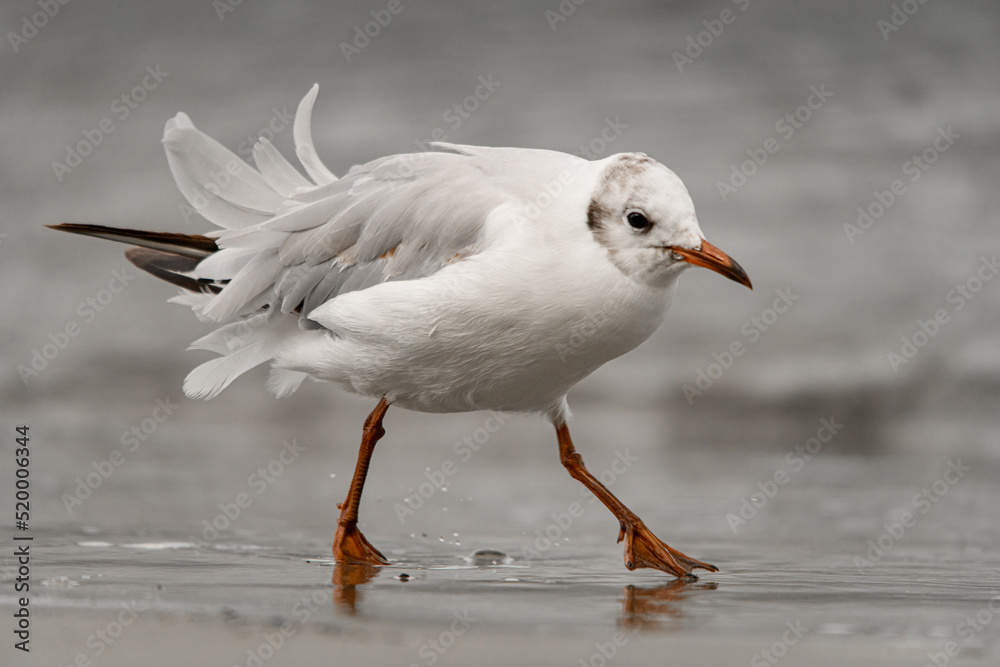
x: 644, y: 549
x: 351, y: 546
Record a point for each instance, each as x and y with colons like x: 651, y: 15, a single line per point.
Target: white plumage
x: 446, y: 281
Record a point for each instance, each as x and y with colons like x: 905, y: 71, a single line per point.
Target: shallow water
x: 134, y: 533
x: 550, y: 589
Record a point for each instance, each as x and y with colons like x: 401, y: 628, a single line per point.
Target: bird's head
x: 642, y: 214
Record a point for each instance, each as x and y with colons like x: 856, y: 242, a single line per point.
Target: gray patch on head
x: 617, y: 175
x: 627, y: 166
x: 595, y: 213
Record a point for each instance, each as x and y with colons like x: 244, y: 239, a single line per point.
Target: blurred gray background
x: 702, y: 87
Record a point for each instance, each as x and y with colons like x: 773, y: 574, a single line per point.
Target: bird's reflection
x: 643, y: 608
x: 647, y: 608
x: 346, y: 578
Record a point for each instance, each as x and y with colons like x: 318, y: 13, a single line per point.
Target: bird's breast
x: 519, y: 339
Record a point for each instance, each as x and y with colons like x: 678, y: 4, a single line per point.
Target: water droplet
x: 488, y: 557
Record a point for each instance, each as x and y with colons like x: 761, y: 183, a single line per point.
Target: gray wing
x: 397, y: 218
x: 289, y: 244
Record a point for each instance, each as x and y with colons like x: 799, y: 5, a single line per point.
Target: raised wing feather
x: 289, y: 244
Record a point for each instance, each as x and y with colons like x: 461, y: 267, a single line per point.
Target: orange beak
x: 712, y: 258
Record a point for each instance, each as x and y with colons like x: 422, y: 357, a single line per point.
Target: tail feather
x: 210, y: 378
x: 282, y: 382
x: 171, y: 268
x: 243, y: 345
x: 186, y: 245
x: 166, y: 255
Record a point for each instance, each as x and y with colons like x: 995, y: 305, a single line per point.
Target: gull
x: 443, y: 281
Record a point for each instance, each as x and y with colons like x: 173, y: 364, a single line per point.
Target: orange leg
x: 349, y: 545
x: 642, y: 548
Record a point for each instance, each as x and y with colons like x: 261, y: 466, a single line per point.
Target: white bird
x: 445, y: 281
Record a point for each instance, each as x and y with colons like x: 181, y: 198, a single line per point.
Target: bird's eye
x: 638, y: 221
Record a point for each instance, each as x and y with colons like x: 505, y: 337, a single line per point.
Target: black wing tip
x: 191, y: 245
x: 73, y: 227
x: 170, y: 268
x: 83, y: 227
x: 150, y: 253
